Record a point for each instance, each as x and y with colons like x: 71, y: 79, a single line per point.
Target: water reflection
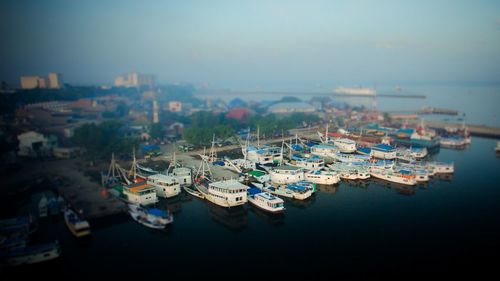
x: 357, y: 183
x: 272, y: 219
x: 332, y: 189
x: 444, y: 177
x: 234, y: 218
x: 301, y: 204
x: 174, y: 204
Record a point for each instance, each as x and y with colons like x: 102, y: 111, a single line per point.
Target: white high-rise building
x: 55, y: 80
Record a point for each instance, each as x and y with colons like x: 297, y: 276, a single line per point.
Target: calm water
x: 351, y: 230
x: 479, y: 102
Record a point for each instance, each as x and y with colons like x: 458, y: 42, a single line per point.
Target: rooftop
x: 229, y: 184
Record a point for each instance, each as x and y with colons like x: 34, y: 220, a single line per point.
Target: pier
x: 434, y: 110
x: 475, y: 130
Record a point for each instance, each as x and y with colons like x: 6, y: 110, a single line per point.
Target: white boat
x: 265, y: 200
x: 358, y: 91
x: 238, y: 165
x: 405, y: 155
x: 43, y: 207
x: 285, y: 191
x: 441, y: 167
x: 350, y: 158
x: 350, y: 171
x: 32, y: 254
x: 324, y: 150
x: 264, y: 155
x: 497, y: 148
x: 165, y: 186
x: 309, y: 163
x: 152, y: 218
x: 78, y: 226
x: 383, y: 151
x: 140, y: 193
x: 406, y: 177
x: 183, y: 175
x: 322, y: 177
x: 286, y: 174
x: 345, y: 145
x: 418, y: 152
x: 422, y: 174
x: 453, y: 142
x: 225, y: 193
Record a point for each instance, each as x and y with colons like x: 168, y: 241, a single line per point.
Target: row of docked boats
x: 15, y: 246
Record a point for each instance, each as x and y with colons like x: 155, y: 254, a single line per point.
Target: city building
x: 175, y: 106
x: 53, y: 81
x: 33, y: 144
x: 134, y: 79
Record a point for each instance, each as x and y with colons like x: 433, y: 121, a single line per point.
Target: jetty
x: 434, y: 110
x: 475, y: 130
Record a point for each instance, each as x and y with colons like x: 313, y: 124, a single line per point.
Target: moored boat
x: 150, y: 217
x: 78, y: 226
x: 31, y: 254
x: 265, y: 200
x: 401, y: 176
x: 322, y: 177
x: 225, y: 193
x: 165, y: 186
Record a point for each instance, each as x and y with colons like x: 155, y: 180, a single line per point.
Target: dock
x: 475, y: 130
x: 79, y: 190
x: 434, y: 110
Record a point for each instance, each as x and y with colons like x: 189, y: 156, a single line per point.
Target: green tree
x: 156, y: 131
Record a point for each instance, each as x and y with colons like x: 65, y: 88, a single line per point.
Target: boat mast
x: 258, y: 136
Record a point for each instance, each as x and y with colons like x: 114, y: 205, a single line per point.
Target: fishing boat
x: 364, y: 151
x: 418, y: 152
x: 225, y: 193
x: 140, y: 193
x: 183, y: 175
x: 383, y: 151
x: 78, y: 226
x: 401, y: 176
x: 312, y: 162
x: 299, y: 193
x: 345, y: 145
x: 350, y: 158
x: 324, y: 150
x: 422, y: 174
x: 405, y: 155
x: 441, y: 167
x: 350, y: 171
x: 165, y: 186
x: 453, y: 142
x: 31, y: 254
x: 322, y: 177
x: 150, y: 217
x: 238, y: 165
x: 286, y: 174
x: 265, y: 200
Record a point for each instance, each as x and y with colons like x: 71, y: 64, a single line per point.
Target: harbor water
x: 355, y: 229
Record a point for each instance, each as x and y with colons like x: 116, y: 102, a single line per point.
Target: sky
x: 252, y: 45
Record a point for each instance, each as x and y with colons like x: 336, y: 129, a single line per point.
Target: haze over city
x: 248, y: 45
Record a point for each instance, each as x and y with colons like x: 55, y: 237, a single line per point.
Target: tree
x: 156, y: 131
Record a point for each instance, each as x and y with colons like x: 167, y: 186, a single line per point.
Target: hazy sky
x: 253, y: 44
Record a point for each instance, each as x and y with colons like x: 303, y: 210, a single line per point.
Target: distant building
x: 175, y: 106
x: 291, y: 107
x: 134, y: 79
x: 33, y: 82
x: 53, y: 81
x: 238, y: 113
x: 33, y: 144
